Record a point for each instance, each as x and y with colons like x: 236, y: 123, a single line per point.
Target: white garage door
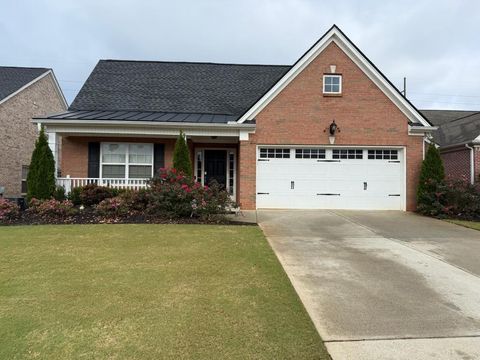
x: 330, y: 178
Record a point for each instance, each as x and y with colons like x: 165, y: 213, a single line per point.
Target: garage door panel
x: 331, y: 183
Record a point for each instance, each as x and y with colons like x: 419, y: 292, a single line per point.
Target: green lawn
x: 148, y: 292
x: 469, y: 224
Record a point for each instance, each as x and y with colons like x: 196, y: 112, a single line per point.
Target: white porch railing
x: 69, y: 183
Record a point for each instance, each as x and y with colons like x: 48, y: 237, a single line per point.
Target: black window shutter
x: 93, y: 159
x: 158, y: 157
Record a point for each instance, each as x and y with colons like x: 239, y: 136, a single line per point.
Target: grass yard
x: 469, y: 224
x: 148, y: 292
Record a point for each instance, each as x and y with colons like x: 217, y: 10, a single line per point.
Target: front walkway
x: 383, y: 285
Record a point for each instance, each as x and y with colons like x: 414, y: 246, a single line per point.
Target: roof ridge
x: 25, y: 67
x: 464, y: 117
x: 448, y: 110
x: 191, y: 62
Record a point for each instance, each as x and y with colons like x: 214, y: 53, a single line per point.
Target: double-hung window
x: 127, y: 161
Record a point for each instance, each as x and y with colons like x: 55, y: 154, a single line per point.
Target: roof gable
x: 13, y: 79
x: 372, y: 72
x: 176, y: 87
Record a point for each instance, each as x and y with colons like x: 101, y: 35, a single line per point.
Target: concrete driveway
x: 383, y: 285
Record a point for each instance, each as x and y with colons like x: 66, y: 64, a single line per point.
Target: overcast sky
x: 434, y: 43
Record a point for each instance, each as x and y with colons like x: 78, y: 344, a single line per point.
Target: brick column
x: 247, y: 174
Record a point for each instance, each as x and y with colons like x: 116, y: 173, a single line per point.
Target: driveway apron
x: 383, y: 285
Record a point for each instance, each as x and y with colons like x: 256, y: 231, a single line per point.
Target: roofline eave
x: 126, y: 123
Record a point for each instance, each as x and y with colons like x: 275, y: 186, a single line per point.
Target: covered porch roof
x: 152, y: 116
x: 144, y: 123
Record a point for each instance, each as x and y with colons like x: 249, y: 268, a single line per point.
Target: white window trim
x: 127, y: 160
x: 340, y: 84
x: 201, y: 152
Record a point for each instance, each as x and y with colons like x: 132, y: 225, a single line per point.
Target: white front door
x: 330, y: 178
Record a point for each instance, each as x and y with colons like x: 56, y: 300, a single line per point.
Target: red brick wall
x: 300, y: 114
x: 457, y: 164
x: 75, y: 152
x: 476, y: 161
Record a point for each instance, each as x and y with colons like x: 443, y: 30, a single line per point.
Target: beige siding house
x: 24, y: 94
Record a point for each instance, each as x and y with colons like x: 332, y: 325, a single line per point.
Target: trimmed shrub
x: 211, y: 201
x: 451, y: 199
x: 74, y: 196
x: 136, y: 200
x: 41, y: 173
x: 112, y: 207
x: 181, y: 156
x: 174, y: 195
x: 431, y: 175
x: 51, y: 210
x: 93, y: 194
x: 9, y: 211
x: 59, y: 193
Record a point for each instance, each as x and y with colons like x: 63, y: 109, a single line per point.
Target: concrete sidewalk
x: 383, y: 285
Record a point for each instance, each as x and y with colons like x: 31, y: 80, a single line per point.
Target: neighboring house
x: 458, y: 137
x: 263, y: 131
x: 24, y: 93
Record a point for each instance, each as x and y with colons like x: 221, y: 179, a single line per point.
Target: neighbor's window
x: 332, y: 84
x: 24, y: 179
x: 120, y: 160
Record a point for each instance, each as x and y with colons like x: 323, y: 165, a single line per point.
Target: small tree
x: 41, y: 172
x: 431, y: 174
x: 181, y: 156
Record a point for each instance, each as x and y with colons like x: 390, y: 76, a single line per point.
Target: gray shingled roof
x: 455, y: 127
x: 439, y: 117
x: 13, y: 78
x: 176, y: 87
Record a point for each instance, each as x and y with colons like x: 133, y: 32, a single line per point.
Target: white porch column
x: 53, y: 145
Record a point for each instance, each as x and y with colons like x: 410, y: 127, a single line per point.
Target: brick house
x: 329, y: 131
x: 458, y: 137
x: 24, y: 93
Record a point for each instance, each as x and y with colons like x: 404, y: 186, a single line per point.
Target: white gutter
x: 142, y: 123
x: 472, y: 163
x: 421, y: 129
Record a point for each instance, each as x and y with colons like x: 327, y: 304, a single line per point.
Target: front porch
x: 68, y: 183
x: 130, y: 162
x: 125, y: 150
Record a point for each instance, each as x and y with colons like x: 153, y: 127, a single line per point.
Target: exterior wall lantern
x: 332, y: 130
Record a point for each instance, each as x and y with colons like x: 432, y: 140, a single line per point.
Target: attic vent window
x: 332, y: 84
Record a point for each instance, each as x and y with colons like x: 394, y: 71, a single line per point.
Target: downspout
x: 472, y: 163
x: 423, y: 147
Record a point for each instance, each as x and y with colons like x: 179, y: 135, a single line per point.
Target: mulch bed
x: 88, y: 216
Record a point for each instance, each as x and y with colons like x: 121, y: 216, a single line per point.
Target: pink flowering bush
x: 51, y: 209
x: 173, y: 194
x: 9, y: 211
